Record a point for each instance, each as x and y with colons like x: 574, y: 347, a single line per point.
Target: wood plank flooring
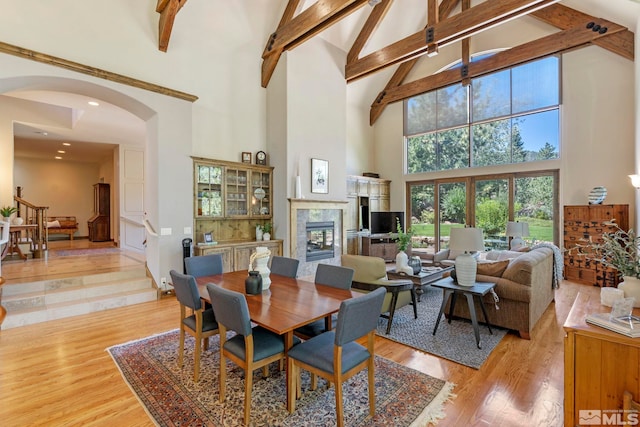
x: 59, y: 374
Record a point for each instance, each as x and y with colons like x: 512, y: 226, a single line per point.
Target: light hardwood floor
x: 59, y: 374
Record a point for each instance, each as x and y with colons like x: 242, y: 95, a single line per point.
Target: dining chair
x: 329, y: 275
x: 204, y: 265
x: 201, y: 323
x: 284, y: 266
x: 251, y: 348
x: 335, y: 355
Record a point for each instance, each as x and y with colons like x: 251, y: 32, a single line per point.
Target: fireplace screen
x: 319, y: 240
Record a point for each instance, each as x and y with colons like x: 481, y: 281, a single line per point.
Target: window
x: 506, y: 117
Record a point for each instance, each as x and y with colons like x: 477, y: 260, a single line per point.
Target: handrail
x: 146, y: 224
x: 38, y: 215
x: 28, y: 204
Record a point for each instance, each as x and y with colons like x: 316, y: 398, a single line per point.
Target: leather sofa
x: 370, y: 273
x: 525, y: 290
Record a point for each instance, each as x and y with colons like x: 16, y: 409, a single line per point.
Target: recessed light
x: 61, y: 151
x: 41, y: 133
x: 93, y: 103
x: 58, y: 158
x: 66, y: 144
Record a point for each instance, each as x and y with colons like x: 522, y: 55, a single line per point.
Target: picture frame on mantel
x: 319, y: 176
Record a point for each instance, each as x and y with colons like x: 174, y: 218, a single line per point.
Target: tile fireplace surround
x: 303, y: 210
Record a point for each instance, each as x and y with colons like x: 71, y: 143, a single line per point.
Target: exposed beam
x: 269, y: 63
x: 91, y: 71
x: 447, y: 31
x: 168, y: 10
x: 445, y: 9
x: 313, y: 20
x: 555, y: 43
x: 564, y: 17
x: 373, y: 20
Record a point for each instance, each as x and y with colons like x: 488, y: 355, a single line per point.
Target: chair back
x: 204, y: 265
x: 186, y: 290
x: 367, y: 268
x: 334, y: 276
x: 230, y: 308
x: 284, y: 266
x: 358, y: 316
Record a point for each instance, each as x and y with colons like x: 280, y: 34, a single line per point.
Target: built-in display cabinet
x: 364, y: 195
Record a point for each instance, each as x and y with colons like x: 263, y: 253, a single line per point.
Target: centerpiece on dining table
x: 261, y: 270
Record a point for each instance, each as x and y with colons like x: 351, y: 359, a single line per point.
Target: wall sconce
x: 635, y: 180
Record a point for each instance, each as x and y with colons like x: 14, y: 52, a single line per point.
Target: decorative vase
x: 253, y: 283
x: 416, y: 264
x: 261, y: 258
x: 402, y: 263
x: 17, y: 221
x: 631, y: 288
x: 258, y: 233
x: 6, y: 219
x: 266, y: 236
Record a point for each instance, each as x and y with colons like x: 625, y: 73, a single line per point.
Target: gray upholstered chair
x: 334, y: 355
x: 251, y: 348
x: 200, y: 323
x: 284, y: 266
x: 204, y: 265
x: 328, y: 275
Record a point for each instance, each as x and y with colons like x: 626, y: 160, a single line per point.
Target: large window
x: 510, y: 116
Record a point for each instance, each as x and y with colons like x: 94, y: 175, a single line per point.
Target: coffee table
x: 427, y: 276
x: 452, y: 290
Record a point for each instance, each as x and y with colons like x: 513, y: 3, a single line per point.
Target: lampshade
x: 467, y: 240
x: 517, y: 230
x: 635, y: 180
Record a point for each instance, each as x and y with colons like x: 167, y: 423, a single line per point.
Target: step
x: 34, y: 302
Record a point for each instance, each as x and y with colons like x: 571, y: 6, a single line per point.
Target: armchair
x: 371, y: 274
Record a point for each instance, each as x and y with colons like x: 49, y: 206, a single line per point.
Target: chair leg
x: 248, y: 385
x: 206, y: 344
x: 181, y: 348
x: 339, y: 408
x: 196, y: 357
x: 293, y: 383
x: 372, y: 387
x: 314, y: 381
x: 223, y: 376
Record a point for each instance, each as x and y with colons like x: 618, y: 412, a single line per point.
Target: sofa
x: 370, y: 273
x: 524, y: 285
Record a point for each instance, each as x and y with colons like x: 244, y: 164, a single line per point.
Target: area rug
x: 453, y: 341
x: 78, y: 252
x: 404, y: 397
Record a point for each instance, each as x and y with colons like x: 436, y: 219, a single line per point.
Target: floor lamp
x: 466, y: 240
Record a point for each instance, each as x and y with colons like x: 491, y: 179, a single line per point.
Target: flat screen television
x: 385, y: 222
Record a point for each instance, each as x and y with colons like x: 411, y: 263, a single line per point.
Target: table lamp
x: 466, y: 240
x: 516, y: 230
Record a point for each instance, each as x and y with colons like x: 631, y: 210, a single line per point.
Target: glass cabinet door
x: 236, y: 192
x: 208, y: 191
x: 260, y: 194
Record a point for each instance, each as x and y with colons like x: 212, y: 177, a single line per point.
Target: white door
x: 132, y: 232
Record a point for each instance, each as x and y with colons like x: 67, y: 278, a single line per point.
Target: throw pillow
x: 493, y: 268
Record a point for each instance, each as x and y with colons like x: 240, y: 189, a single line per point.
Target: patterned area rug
x: 454, y: 341
x: 404, y: 397
x: 78, y: 252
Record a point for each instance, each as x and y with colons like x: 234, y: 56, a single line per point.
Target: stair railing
x: 38, y: 236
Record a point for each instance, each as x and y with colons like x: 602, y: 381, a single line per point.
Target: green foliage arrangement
x: 267, y: 227
x: 6, y: 211
x: 403, y: 238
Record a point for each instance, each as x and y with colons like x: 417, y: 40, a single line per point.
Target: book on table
x: 628, y: 325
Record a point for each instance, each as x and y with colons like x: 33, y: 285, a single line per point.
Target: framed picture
x: 319, y: 176
x: 208, y: 237
x: 246, y: 157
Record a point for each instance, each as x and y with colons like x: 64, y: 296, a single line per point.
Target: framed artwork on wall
x: 246, y: 157
x: 319, y: 176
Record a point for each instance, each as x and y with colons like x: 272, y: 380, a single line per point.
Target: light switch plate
x: 187, y: 230
x: 165, y: 231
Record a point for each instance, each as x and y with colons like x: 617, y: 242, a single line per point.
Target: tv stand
x: 381, y: 245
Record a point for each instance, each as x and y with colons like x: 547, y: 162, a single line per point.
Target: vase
x: 6, y: 219
x: 17, y: 221
x: 259, y: 233
x: 253, y: 283
x: 261, y: 257
x: 266, y: 236
x: 416, y: 264
x: 402, y: 263
x: 631, y: 288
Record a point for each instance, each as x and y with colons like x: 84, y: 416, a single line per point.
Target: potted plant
x: 266, y: 231
x: 620, y: 250
x: 6, y: 212
x: 403, y: 241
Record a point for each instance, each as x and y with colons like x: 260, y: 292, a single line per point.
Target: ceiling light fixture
x: 93, y: 103
x: 58, y: 158
x: 61, y: 151
x: 66, y: 144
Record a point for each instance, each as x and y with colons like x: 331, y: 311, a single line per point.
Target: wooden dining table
x: 288, y: 303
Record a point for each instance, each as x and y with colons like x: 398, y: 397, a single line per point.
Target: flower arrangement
x: 619, y: 249
x: 404, y: 238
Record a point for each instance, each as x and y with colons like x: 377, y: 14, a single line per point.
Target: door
x: 132, y: 235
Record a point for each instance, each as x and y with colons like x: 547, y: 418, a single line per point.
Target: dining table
x: 287, y: 304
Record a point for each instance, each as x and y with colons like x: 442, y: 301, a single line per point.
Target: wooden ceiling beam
x: 269, y: 64
x: 313, y: 20
x: 168, y: 9
x: 555, y: 43
x: 472, y: 21
x: 564, y: 17
x: 445, y: 9
x: 373, y: 20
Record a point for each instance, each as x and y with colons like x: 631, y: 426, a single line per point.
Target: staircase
x: 35, y: 302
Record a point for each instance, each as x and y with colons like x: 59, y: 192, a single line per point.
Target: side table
x: 426, y: 276
x: 452, y: 290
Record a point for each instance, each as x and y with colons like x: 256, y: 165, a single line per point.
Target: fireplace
x: 320, y: 240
